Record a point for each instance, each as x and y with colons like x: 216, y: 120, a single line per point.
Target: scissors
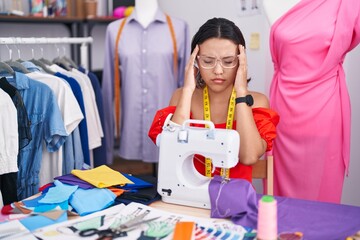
x: 119, y: 231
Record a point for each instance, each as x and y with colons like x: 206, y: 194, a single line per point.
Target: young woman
x: 216, y: 76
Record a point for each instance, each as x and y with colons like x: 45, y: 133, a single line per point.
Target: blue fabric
x: 33, y: 202
x: 73, y: 153
x: 33, y: 223
x: 100, y: 152
x: 138, y: 183
x: 49, y: 207
x: 31, y: 66
x: 77, y: 145
x: 91, y: 200
x: 75, y: 87
x: 60, y: 193
x: 46, y: 126
x: 41, y: 207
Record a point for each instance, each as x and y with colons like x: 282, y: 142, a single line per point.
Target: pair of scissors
x: 103, y: 234
x: 120, y: 231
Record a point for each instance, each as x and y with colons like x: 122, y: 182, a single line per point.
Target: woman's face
x: 223, y: 54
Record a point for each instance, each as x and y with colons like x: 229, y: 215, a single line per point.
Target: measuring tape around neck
x: 229, y: 123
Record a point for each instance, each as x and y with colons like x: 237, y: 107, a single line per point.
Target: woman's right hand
x: 190, y: 71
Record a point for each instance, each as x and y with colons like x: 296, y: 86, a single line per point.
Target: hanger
x: 44, y: 60
x: 60, y: 61
x: 69, y: 60
x: 40, y: 64
x: 16, y: 66
x: 6, y: 68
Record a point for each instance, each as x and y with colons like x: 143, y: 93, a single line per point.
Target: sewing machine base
x: 178, y: 180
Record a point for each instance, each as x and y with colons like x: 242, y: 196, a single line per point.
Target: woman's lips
x: 218, y: 80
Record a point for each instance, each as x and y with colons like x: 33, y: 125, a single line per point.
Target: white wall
x: 196, y: 12
x: 351, y: 192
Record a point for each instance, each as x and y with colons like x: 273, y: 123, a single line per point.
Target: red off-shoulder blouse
x: 265, y: 119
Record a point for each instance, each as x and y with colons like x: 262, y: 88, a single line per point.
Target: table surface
x: 317, y: 220
x: 180, y: 209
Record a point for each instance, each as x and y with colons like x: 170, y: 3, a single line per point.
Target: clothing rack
x: 84, y: 41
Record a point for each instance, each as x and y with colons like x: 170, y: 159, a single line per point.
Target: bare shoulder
x: 260, y: 100
x: 175, y: 97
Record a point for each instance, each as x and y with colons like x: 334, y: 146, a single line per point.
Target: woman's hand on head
x: 190, y: 71
x: 240, y: 84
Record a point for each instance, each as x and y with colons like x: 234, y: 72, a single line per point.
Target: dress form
x: 145, y: 11
x: 274, y: 9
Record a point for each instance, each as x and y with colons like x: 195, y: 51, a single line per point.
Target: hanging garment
x: 52, y: 163
x: 83, y: 129
x: 23, y: 121
x: 95, y: 132
x: 9, y: 148
x: 308, y: 46
x: 99, y: 153
x: 8, y: 152
x: 147, y: 80
x: 47, y: 127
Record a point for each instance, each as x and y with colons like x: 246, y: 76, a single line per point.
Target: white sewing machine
x: 178, y: 180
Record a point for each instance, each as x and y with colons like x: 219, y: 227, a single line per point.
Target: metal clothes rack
x: 84, y: 41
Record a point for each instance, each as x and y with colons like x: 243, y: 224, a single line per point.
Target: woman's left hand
x: 240, y: 84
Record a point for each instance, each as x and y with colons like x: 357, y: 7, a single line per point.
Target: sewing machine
x: 178, y: 180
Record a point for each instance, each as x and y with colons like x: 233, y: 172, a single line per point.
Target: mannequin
x: 274, y: 9
x: 145, y: 11
x: 145, y: 54
x: 308, y: 90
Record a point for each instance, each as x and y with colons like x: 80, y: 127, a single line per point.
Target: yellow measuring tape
x: 229, y: 123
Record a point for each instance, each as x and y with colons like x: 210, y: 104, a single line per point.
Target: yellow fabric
x: 101, y: 176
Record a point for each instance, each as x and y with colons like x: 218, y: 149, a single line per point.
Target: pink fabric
x: 308, y: 45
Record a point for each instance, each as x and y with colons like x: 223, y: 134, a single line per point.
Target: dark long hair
x: 216, y: 28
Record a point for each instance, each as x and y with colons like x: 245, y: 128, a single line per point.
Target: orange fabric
x: 265, y: 119
x: 116, y: 191
x: 117, y: 75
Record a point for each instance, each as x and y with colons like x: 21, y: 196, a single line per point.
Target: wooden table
x: 180, y: 209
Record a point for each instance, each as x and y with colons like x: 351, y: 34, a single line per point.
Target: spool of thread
x: 267, y: 219
x: 128, y: 11
x: 119, y: 12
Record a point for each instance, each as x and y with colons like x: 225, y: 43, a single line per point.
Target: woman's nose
x: 218, y: 69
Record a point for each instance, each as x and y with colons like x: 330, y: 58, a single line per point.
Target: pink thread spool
x: 119, y: 12
x: 267, y: 219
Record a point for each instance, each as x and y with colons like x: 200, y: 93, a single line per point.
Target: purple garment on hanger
x: 235, y: 199
x: 73, y: 180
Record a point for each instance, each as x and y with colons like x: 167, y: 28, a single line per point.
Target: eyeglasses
x: 210, y: 62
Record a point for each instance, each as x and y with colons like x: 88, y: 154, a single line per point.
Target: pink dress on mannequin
x: 308, y: 46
